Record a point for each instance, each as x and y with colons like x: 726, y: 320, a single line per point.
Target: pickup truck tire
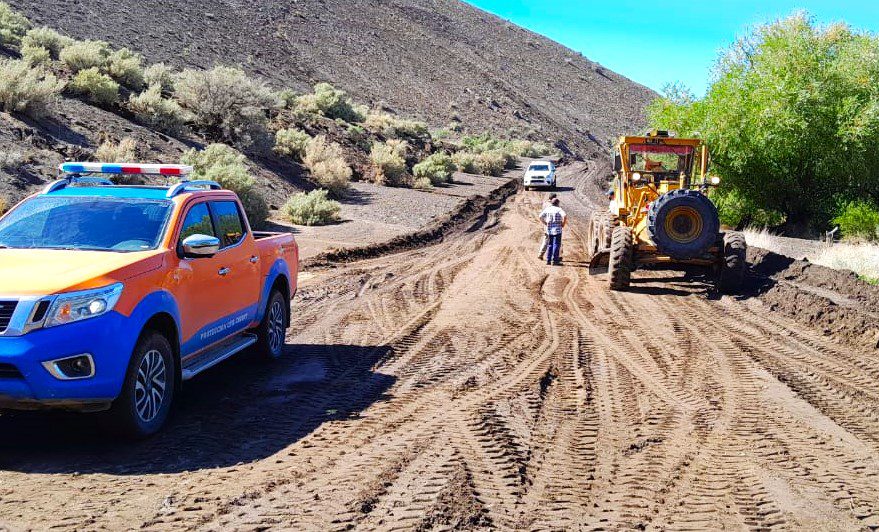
x: 148, y: 391
x: 273, y: 328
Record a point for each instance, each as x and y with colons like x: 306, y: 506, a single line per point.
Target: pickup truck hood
x: 49, y: 271
x: 538, y: 174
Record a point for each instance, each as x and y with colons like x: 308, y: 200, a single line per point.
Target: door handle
x: 224, y: 271
x: 254, y: 259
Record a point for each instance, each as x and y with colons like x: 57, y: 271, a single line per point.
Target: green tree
x: 792, y: 118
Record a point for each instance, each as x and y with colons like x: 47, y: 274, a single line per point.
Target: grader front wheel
x: 733, y: 266
x: 620, y: 263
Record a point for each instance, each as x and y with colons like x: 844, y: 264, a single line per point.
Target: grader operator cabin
x: 659, y: 213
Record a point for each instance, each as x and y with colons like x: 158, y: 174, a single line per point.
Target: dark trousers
x: 553, y: 247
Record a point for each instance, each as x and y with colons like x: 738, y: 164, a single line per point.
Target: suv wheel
x: 148, y: 391
x: 272, y: 331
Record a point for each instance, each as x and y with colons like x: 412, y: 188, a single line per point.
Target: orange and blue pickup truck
x: 111, y: 296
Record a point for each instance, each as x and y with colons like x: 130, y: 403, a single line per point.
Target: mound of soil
x: 833, y: 301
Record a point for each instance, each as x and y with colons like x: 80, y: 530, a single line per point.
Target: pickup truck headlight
x: 76, y: 306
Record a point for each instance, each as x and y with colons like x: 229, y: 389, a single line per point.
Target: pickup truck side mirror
x: 198, y: 246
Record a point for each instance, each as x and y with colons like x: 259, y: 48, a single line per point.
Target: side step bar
x: 217, y: 354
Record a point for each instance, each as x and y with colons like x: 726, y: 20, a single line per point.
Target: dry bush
x: 465, y: 161
x: 35, y: 55
x: 399, y: 146
x: 330, y: 102
x: 4, y: 205
x: 82, y: 55
x: 225, y: 102
x: 392, y: 127
x: 490, y: 163
x: 225, y: 165
x: 527, y: 148
x: 291, y: 142
x: 159, y: 74
x: 13, y: 26
x: 313, y: 208
x: 26, y: 90
x: 96, y: 87
x: 126, y: 67
x: 158, y: 112
x: 47, y: 39
x: 863, y: 259
x: 327, y: 164
x: 390, y: 166
x: 438, y: 168
x: 124, y: 151
x: 422, y: 183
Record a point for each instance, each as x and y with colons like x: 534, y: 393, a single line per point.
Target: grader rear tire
x: 734, y: 263
x: 620, y: 263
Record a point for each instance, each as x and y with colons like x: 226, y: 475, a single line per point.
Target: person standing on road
x: 545, y: 240
x: 554, y: 219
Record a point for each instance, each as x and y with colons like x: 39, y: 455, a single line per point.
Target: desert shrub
x: 117, y: 152
x: 327, y: 164
x: 490, y: 163
x: 399, y: 146
x: 291, y: 142
x: 313, y: 208
x: 4, y: 205
x: 26, y: 90
x: 437, y: 167
x: 440, y: 134
x: 126, y: 67
x: 330, y: 102
x: 287, y: 97
x: 159, y: 74
x: 859, y: 220
x: 422, y: 183
x: 465, y: 161
x: 390, y: 166
x: 225, y: 102
x: 83, y: 55
x: 158, y: 112
x: 526, y: 148
x: 226, y: 166
x: 35, y: 55
x: 13, y: 26
x: 98, y: 88
x: 394, y: 127
x: 48, y: 39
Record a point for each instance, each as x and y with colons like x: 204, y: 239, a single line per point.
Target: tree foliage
x: 791, y: 117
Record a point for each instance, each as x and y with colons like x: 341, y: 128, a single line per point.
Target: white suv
x: 539, y: 174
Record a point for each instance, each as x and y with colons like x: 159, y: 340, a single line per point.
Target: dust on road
x: 468, y: 385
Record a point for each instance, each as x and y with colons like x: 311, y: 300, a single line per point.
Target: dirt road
x: 468, y: 385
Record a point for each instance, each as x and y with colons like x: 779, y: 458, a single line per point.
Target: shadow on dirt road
x: 241, y: 411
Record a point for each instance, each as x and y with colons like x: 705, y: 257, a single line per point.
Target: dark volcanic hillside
x: 437, y: 59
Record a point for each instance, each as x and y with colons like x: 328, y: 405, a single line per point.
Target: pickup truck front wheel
x: 148, y: 390
x: 272, y: 331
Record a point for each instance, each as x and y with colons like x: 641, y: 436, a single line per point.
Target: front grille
x: 8, y: 371
x: 6, y: 310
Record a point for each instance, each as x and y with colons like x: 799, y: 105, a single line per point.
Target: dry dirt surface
x: 467, y: 385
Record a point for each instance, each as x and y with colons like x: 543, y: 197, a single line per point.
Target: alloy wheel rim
x: 150, y: 386
x: 276, y: 327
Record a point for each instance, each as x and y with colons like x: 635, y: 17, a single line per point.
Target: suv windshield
x: 539, y: 168
x: 88, y: 223
x: 658, y: 158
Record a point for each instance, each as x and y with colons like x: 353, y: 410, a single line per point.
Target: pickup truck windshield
x: 539, y: 168
x: 87, y: 223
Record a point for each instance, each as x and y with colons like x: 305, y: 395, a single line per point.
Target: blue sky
x: 636, y: 38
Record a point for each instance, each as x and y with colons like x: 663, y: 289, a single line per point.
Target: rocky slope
x: 442, y: 60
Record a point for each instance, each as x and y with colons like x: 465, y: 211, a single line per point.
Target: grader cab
x: 660, y: 215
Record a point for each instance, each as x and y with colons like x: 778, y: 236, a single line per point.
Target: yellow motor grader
x: 660, y: 215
